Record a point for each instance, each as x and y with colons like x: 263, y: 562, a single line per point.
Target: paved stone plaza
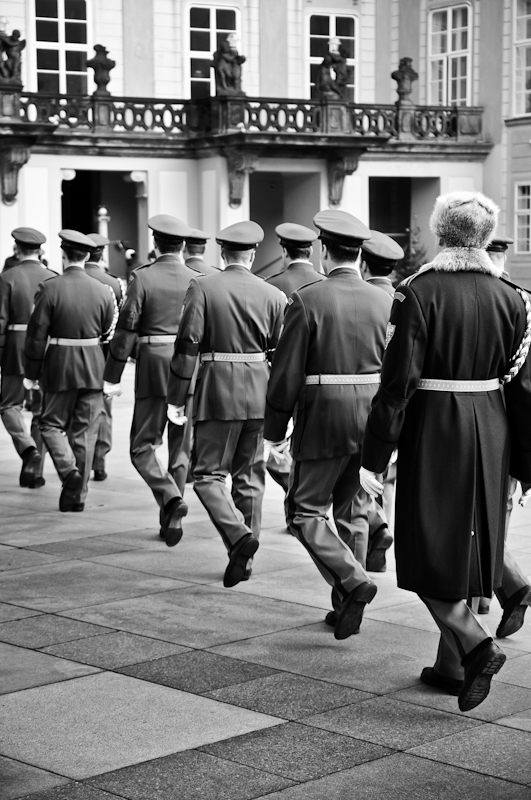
x: 128, y: 671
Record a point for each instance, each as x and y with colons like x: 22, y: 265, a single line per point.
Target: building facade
x: 162, y: 142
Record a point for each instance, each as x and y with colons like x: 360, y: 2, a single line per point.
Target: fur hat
x: 464, y: 219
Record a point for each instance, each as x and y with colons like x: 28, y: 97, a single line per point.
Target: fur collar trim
x: 463, y: 259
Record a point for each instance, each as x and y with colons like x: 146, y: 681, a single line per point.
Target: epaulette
x: 196, y: 270
x: 276, y: 275
x: 409, y: 278
x: 143, y: 266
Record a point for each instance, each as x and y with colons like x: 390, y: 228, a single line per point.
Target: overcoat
x: 95, y: 271
x: 454, y: 448
x: 232, y: 312
x: 382, y: 283
x: 297, y: 274
x: 17, y: 292
x: 69, y: 306
x: 152, y: 307
x: 336, y: 326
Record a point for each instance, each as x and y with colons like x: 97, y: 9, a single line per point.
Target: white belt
x: 75, y: 342
x: 17, y: 327
x: 343, y: 379
x: 163, y: 339
x: 434, y: 385
x: 233, y: 356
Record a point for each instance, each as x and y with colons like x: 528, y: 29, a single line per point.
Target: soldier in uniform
x: 194, y: 252
x: 149, y: 321
x: 17, y: 291
x: 457, y: 331
x: 72, y: 315
x: 296, y: 242
x: 325, y: 373
x: 231, y: 321
x: 94, y: 268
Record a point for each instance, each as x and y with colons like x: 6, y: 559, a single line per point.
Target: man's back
x: 296, y: 275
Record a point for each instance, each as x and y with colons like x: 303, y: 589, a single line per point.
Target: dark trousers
x: 149, y: 423
x: 314, y: 485
x: 104, y: 440
x: 78, y: 412
x: 236, y: 448
x: 12, y: 394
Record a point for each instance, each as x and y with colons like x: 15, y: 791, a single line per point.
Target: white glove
x: 526, y: 494
x: 370, y: 482
x: 112, y: 389
x: 175, y: 414
x: 269, y: 447
x: 29, y: 384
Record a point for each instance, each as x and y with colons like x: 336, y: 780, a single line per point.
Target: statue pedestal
x: 10, y: 102
x: 405, y: 121
x: 336, y: 117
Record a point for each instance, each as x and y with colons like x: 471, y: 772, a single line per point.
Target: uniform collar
x: 300, y: 261
x: 380, y: 278
x: 30, y: 261
x: 237, y: 266
x: 167, y: 257
x: 73, y: 268
x: 344, y: 270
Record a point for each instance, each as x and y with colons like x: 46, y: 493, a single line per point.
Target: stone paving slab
x: 113, y: 650
x: 73, y: 791
x: 17, y: 558
x: 23, y: 669
x: 73, y: 584
x: 104, y: 722
x: 517, y: 671
x: 83, y: 548
x: 45, y: 630
x: 18, y: 780
x: 35, y: 528
x: 9, y: 612
x: 191, y: 776
x: 521, y: 720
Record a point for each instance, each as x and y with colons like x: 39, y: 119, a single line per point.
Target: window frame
x: 189, y: 54
x: 309, y: 60
x: 451, y: 55
x: 518, y: 213
x: 61, y: 46
x: 518, y: 44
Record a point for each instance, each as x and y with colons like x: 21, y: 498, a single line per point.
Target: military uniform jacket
x: 382, y: 283
x: 152, y: 307
x: 453, y: 448
x: 95, y: 271
x: 199, y: 265
x: 69, y: 306
x: 232, y: 312
x: 297, y: 274
x: 17, y: 292
x: 338, y: 327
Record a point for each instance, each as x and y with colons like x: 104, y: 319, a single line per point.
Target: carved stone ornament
x: 102, y: 67
x: 404, y: 76
x: 337, y: 169
x: 227, y: 66
x: 239, y: 165
x: 11, y: 48
x: 12, y: 159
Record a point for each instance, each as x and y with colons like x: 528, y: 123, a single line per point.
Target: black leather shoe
x: 70, y: 492
x: 38, y: 483
x: 432, y: 678
x: 480, y: 665
x: 379, y: 543
x: 513, y: 612
x: 171, y: 529
x: 100, y: 475
x: 331, y: 619
x: 78, y: 507
x: 31, y: 464
x: 247, y: 574
x: 350, y: 616
x: 238, y: 558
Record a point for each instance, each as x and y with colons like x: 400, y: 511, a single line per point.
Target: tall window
x: 209, y: 26
x: 61, y: 37
x: 324, y: 27
x: 523, y: 57
x: 450, y: 56
x: 523, y: 217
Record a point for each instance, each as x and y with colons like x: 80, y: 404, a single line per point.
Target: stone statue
x: 227, y: 68
x: 328, y: 86
x: 11, y: 48
x: 339, y: 62
x: 404, y: 76
x: 102, y: 67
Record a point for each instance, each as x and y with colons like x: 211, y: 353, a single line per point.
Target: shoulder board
x: 514, y: 285
x: 55, y: 273
x: 409, y: 278
x: 198, y: 271
x: 144, y: 266
x: 276, y: 275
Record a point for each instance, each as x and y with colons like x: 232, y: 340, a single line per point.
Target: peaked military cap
x: 499, y: 244
x: 197, y: 237
x: 98, y: 239
x: 28, y: 236
x: 341, y: 228
x: 169, y: 229
x: 241, y: 236
x: 381, y: 250
x: 76, y: 239
x: 295, y: 235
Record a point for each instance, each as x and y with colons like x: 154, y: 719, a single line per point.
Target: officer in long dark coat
x: 194, y: 252
x: 325, y: 374
x: 456, y: 331
x: 17, y: 291
x: 94, y: 268
x: 232, y: 322
x: 149, y: 321
x: 73, y: 314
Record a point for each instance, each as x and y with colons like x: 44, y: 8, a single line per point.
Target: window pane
x: 319, y: 47
x: 344, y: 26
x: 200, y: 40
x: 200, y: 18
x: 460, y: 17
x: 76, y: 61
x: 76, y: 84
x: 439, y: 21
x: 314, y: 73
x: 46, y: 8
x: 350, y: 75
x: 348, y: 47
x: 221, y: 37
x: 47, y: 59
x: 523, y: 197
x: 47, y: 82
x: 200, y: 68
x: 76, y: 32
x: 47, y: 31
x: 437, y: 82
x: 438, y: 44
x: 225, y: 20
x: 200, y: 89
x: 75, y: 9
x: 320, y: 25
